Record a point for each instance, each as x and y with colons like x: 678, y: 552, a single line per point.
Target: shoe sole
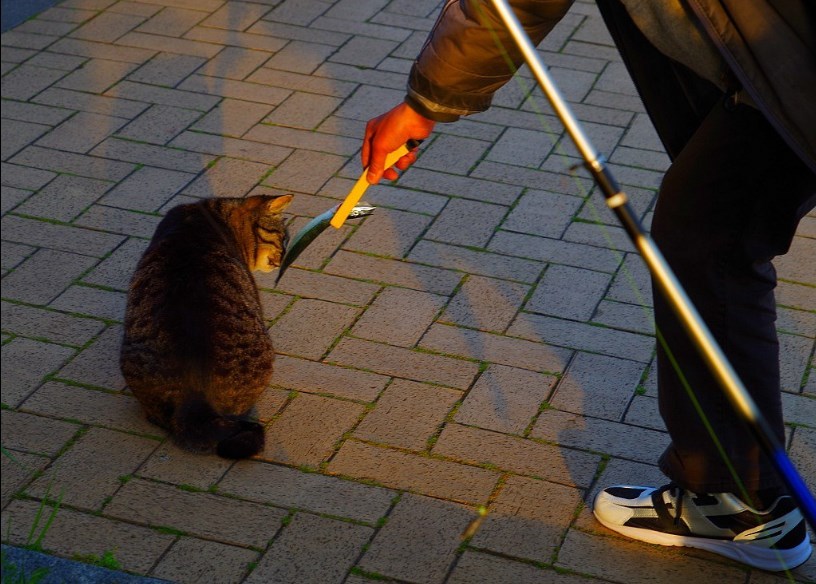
x: 752, y: 555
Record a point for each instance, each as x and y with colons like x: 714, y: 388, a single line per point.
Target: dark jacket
x: 769, y: 46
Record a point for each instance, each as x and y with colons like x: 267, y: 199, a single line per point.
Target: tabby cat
x: 195, y: 352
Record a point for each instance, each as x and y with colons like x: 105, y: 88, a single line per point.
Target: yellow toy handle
x: 360, y: 187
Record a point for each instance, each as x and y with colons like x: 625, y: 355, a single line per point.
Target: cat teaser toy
x: 662, y: 274
x: 337, y: 215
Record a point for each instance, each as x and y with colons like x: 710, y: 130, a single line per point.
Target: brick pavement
x: 483, y: 342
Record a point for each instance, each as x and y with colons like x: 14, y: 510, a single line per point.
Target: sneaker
x: 774, y: 539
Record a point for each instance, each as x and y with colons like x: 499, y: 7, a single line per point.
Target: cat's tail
x: 198, y: 427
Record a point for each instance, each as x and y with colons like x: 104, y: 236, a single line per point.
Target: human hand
x: 386, y: 133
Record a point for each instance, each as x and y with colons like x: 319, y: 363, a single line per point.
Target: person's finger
x: 376, y: 165
x: 406, y: 161
x: 390, y: 174
x: 367, y: 139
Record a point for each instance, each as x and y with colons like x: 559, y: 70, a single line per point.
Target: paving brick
x: 303, y: 110
x: 476, y: 262
x: 797, y: 322
x: 135, y: 548
x: 26, y: 81
x: 101, y: 50
x: 96, y: 75
x: 322, y: 286
x: 364, y: 52
x: 172, y: 22
x: 300, y: 57
x: 388, y: 232
x: 235, y: 63
x: 496, y: 348
x: 32, y: 112
x: 803, y: 454
x: 583, y: 337
x: 192, y: 99
x: 27, y: 283
x: 452, y: 154
x: 302, y: 83
x: 88, y: 406
x: 421, y: 474
x: 610, y: 558
x: 232, y: 117
x: 420, y: 540
x: 339, y: 146
x: 219, y: 86
x: 464, y: 222
x: 88, y: 473
x: 65, y: 14
x: 168, y: 44
x: 308, y: 429
x: 170, y: 464
x: 10, y: 198
x: 528, y: 519
x: 25, y: 363
x: 96, y: 302
x: 198, y: 560
x: 598, y: 386
x: 120, y: 221
x: 236, y: 16
x: 56, y: 327
x: 20, y: 135
x: 151, y: 155
x: 542, y: 213
x: 99, y: 104
x: 632, y: 283
x: 107, y: 27
x: 304, y: 171
x: 517, y: 455
x: 404, y: 363
x: 407, y: 415
x: 201, y: 514
x: 35, y: 434
x: 64, y: 198
x: 59, y: 237
x: 147, y: 189
x: 137, y: 8
x: 288, y: 487
x: 98, y: 364
x: 485, y: 303
x: 480, y: 568
x: 569, y: 293
x: 167, y: 69
x: 505, y: 399
x: 21, y: 177
x: 795, y: 295
x: 71, y: 163
x: 159, y: 124
x: 312, y: 549
x: 298, y: 14
x: 312, y: 377
x: 251, y: 39
x: 643, y: 411
x: 18, y: 468
x: 228, y: 177
x: 799, y: 409
x: 613, y: 438
x: 82, y: 132
x: 637, y: 319
x: 311, y: 327
x: 269, y: 155
x: 399, y: 316
x: 33, y: 35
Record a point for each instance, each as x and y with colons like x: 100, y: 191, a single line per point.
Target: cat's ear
x: 278, y: 204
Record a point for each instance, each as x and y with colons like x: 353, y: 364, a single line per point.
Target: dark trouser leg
x: 730, y: 203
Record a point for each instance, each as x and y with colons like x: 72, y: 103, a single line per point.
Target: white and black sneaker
x: 775, y: 539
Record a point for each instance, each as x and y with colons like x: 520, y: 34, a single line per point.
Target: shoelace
x: 678, y: 493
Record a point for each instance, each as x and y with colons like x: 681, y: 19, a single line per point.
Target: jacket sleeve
x: 469, y: 55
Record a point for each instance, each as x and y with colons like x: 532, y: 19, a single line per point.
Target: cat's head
x: 259, y: 227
